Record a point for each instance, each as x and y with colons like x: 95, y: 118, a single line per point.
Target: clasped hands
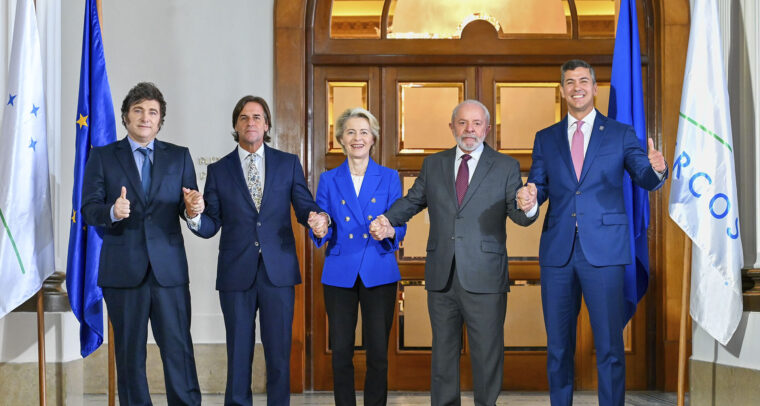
x: 527, y: 197
x: 318, y: 222
x: 194, y: 204
x: 380, y: 228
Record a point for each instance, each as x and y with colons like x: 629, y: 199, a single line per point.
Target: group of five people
x: 137, y: 190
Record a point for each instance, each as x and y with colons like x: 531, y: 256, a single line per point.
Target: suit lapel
x: 127, y: 160
x: 269, y: 173
x: 597, y: 133
x: 481, y: 170
x: 369, y: 185
x: 160, y: 166
x: 564, y: 147
x: 345, y: 187
x: 235, y: 169
x: 447, y: 170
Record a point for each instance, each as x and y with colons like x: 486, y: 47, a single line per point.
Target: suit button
x: 577, y: 192
x: 348, y: 218
x: 365, y: 235
x: 369, y: 217
x: 372, y: 200
x: 342, y: 202
x: 572, y: 215
x: 256, y: 243
x: 258, y: 223
x: 452, y: 237
x: 350, y: 236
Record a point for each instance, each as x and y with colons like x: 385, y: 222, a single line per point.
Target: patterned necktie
x: 254, y: 180
x: 145, y: 172
x: 463, y: 178
x: 576, y: 149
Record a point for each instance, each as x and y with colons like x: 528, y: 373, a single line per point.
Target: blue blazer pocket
x: 614, y: 219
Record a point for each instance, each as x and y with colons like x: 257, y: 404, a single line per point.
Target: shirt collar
x: 134, y: 145
x: 243, y: 154
x: 474, y: 154
x: 589, y: 119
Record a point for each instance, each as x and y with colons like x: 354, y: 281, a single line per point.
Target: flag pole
x: 685, y: 291
x: 111, y: 350
x: 41, y: 346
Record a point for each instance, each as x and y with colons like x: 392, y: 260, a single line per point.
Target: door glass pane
x: 524, y: 327
x: 342, y: 96
x: 424, y: 114
x: 447, y: 19
x: 356, y: 18
x: 414, y: 246
x: 522, y: 109
x: 414, y: 320
x: 602, y: 99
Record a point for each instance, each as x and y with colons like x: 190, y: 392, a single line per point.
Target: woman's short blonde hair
x: 361, y: 113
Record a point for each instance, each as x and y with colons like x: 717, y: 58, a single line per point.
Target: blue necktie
x: 145, y: 170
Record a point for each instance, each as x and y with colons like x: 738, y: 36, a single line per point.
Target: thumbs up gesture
x: 121, y: 206
x: 655, y: 158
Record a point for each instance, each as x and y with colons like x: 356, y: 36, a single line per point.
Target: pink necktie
x: 463, y: 178
x: 576, y: 149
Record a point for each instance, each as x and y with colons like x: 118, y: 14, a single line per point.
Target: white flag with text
x: 26, y: 231
x: 703, y: 199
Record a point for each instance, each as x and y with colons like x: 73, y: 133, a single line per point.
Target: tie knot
x: 143, y: 151
x: 466, y: 157
x: 579, y: 124
x: 252, y: 157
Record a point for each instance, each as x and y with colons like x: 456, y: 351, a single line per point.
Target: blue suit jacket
x: 245, y: 231
x: 351, y: 250
x: 152, y: 231
x: 595, y: 202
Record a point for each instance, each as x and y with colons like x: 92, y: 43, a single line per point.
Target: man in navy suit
x: 133, y: 190
x: 578, y: 165
x: 248, y: 195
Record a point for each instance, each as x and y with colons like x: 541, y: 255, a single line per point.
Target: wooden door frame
x: 293, y: 58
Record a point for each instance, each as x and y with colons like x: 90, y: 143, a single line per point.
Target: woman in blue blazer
x: 359, y: 269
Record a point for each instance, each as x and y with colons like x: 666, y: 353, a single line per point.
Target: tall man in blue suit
x: 133, y: 190
x: 248, y: 195
x: 578, y: 166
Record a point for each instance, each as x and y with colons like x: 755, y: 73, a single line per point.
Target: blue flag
x: 627, y: 106
x: 95, y: 126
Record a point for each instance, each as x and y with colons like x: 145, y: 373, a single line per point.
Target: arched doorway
x: 392, y: 76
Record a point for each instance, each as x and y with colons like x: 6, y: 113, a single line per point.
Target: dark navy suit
x: 588, y: 259
x: 143, y: 267
x: 257, y: 266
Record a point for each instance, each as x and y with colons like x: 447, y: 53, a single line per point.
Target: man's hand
x: 381, y: 228
x: 655, y: 158
x: 318, y: 223
x: 121, y: 206
x: 527, y: 197
x: 194, y: 204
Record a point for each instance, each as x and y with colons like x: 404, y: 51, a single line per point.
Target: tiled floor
x: 423, y: 398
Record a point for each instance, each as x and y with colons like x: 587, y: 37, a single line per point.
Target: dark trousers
x: 377, y: 306
x: 275, y: 306
x: 168, y: 309
x: 483, y: 314
x: 602, y: 289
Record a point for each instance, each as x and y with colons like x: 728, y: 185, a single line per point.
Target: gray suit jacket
x: 475, y: 234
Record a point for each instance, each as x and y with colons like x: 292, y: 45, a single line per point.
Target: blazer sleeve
x: 537, y: 174
x: 514, y: 182
x: 95, y: 210
x: 300, y: 196
x: 211, y: 218
x: 637, y: 163
x: 323, y: 201
x: 414, y: 202
x: 188, y: 179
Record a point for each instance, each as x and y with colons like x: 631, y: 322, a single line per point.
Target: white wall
x: 204, y: 56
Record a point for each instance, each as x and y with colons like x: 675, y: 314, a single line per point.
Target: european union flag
x: 95, y: 127
x: 627, y: 106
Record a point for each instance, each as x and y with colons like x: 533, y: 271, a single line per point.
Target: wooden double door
x: 413, y: 105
